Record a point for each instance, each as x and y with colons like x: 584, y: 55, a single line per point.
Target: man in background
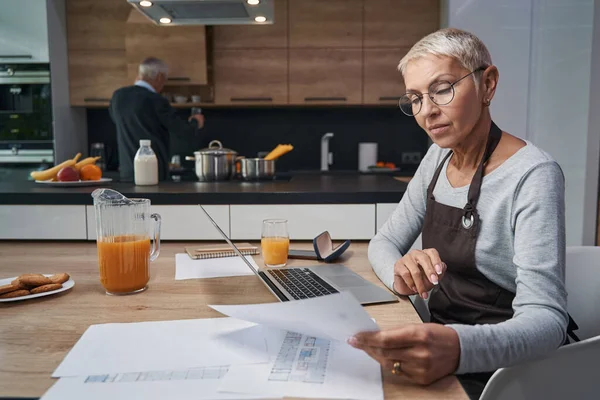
x: 140, y: 112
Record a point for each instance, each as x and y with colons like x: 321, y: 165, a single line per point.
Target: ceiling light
x: 253, y: 2
x: 165, y: 20
x: 146, y: 3
x: 260, y: 18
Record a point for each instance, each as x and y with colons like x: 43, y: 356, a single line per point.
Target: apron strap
x: 436, y: 175
x: 494, y: 137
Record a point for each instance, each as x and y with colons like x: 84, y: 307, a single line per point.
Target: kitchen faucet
x: 326, y: 155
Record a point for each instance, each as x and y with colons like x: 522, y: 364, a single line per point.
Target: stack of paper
x: 187, y: 268
x: 298, y: 350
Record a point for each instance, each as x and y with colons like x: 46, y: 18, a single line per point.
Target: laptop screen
x: 233, y: 246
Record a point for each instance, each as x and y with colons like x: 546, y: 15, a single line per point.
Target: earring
x: 487, y: 102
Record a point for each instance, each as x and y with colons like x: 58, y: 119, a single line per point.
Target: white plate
x: 66, y: 286
x: 100, y: 181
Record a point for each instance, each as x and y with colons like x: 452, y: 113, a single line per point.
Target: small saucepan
x: 256, y: 169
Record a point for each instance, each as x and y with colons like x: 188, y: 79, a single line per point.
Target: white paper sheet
x: 337, y: 316
x: 305, y: 366
x: 164, y: 345
x: 187, y: 268
x: 193, y: 384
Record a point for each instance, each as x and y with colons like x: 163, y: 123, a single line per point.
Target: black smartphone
x: 303, y: 254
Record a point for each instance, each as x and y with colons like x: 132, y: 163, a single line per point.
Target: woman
x: 490, y: 208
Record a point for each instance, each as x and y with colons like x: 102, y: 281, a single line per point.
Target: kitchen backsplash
x: 252, y: 130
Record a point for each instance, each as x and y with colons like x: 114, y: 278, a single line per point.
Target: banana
x: 77, y: 157
x: 86, y: 161
x: 51, y: 172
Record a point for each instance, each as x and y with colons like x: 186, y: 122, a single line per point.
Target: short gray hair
x: 151, y: 67
x: 461, y: 45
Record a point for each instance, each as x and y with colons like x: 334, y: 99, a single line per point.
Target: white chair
x: 571, y: 372
x: 582, y: 282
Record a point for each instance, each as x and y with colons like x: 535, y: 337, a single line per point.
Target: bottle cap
x: 145, y: 142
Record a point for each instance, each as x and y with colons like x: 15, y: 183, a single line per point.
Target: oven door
x: 25, y: 104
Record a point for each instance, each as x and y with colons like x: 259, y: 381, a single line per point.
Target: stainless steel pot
x: 254, y: 169
x: 214, y: 163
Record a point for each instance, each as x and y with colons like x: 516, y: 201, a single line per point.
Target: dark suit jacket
x: 139, y: 114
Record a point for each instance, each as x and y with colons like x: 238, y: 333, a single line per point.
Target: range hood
x: 206, y: 12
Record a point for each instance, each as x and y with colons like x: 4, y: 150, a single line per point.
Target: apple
x: 67, y: 174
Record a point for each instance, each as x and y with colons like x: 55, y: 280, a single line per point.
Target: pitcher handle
x: 156, y: 237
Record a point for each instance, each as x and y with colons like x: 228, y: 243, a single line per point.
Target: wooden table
x: 35, y: 335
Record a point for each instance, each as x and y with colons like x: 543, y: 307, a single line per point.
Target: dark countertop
x: 302, y: 189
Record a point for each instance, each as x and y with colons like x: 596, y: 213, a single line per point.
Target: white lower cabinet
x: 42, y: 222
x: 180, y: 222
x: 305, y: 221
x: 384, y: 212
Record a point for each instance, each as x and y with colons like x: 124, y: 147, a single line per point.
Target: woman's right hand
x: 417, y: 272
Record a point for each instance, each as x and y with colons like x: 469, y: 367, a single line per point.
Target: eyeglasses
x: 441, y: 93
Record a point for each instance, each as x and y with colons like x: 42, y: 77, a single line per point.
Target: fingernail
x: 434, y: 279
x: 424, y: 295
x: 352, y: 341
x: 438, y: 269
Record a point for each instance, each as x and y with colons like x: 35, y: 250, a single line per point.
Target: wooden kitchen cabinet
x: 253, y: 76
x: 330, y: 23
x: 183, y: 48
x: 95, y: 75
x: 255, y: 36
x: 96, y: 25
x: 383, y: 83
x: 399, y: 23
x: 325, y: 76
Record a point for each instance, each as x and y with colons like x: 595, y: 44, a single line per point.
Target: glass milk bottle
x: 145, y: 165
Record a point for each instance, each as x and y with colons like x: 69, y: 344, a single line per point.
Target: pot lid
x: 215, y: 147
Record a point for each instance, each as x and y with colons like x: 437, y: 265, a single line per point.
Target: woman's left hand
x: 426, y: 352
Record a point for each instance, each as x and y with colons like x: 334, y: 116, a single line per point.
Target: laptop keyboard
x: 302, y: 283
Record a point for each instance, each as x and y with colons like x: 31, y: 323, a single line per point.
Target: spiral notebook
x: 204, y: 251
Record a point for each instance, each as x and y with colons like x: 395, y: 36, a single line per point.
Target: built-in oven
x: 26, y: 137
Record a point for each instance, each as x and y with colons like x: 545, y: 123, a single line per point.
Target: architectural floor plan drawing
x: 301, y: 359
x: 153, y: 376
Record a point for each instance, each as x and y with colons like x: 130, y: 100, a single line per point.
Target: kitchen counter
x: 301, y: 189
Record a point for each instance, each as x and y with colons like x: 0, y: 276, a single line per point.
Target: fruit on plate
x: 51, y: 174
x: 67, y: 174
x: 90, y: 172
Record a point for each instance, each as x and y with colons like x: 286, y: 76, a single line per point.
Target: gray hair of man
x: 461, y: 45
x: 151, y: 67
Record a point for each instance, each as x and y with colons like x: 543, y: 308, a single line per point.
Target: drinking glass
x: 275, y: 242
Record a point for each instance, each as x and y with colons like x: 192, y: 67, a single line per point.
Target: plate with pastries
x: 30, y: 286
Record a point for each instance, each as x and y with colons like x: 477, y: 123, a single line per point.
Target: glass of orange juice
x: 275, y: 242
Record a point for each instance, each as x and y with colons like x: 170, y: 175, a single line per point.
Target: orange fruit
x: 90, y: 172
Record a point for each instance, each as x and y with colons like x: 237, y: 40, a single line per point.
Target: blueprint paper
x: 336, y: 316
x: 164, y: 346
x: 310, y: 367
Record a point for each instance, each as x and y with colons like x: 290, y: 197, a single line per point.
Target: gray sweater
x: 520, y: 247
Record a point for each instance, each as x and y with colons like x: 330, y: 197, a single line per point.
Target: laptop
x: 295, y: 283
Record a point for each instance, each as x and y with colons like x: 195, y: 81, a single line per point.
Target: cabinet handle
x: 179, y: 78
x: 16, y: 56
x: 94, y: 99
x: 325, y: 99
x: 387, y: 98
x: 251, y: 99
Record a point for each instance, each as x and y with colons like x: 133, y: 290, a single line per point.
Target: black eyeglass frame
x: 420, y: 96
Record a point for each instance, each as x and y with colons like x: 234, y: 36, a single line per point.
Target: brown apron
x: 464, y: 295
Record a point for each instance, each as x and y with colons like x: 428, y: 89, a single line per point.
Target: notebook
x: 203, y: 251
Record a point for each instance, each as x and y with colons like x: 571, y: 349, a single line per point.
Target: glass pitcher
x: 124, y: 241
